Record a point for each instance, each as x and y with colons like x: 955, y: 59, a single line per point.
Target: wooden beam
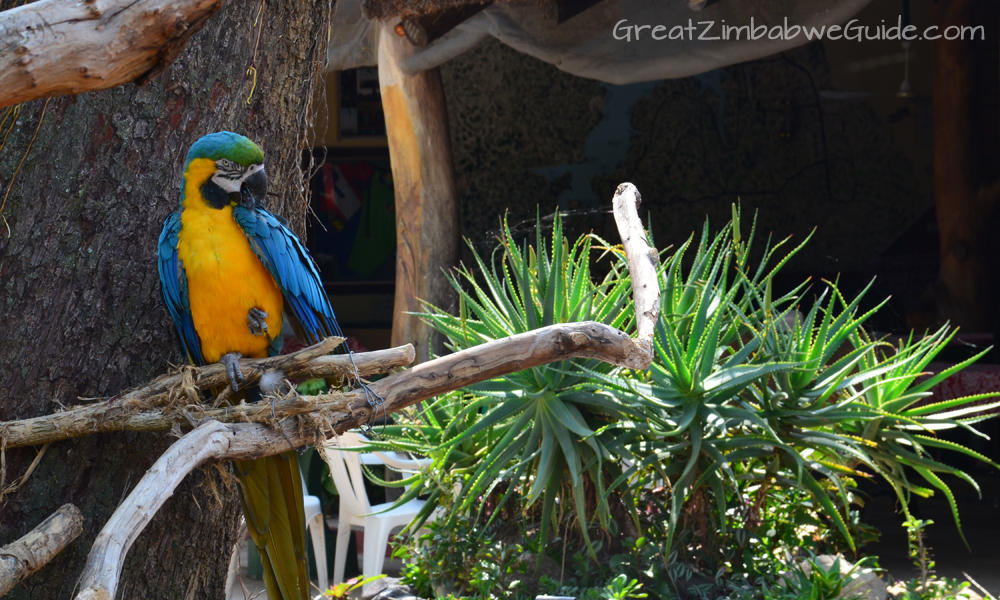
x: 427, y: 211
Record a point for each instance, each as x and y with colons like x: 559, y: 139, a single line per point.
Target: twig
x: 10, y: 183
x: 16, y: 485
x: 988, y: 596
x: 40, y: 545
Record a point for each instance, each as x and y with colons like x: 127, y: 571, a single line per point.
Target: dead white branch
x: 40, y: 545
x: 99, y: 580
x: 214, y: 441
x: 54, y: 47
x: 643, y: 262
x: 305, y: 420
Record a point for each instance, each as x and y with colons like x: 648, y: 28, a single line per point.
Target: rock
x: 388, y: 588
x: 869, y: 585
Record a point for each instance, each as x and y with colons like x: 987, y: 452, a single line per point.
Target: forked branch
x: 305, y: 420
x: 158, y: 405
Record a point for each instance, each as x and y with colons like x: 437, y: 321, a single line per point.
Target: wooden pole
x: 962, y: 200
x: 427, y: 211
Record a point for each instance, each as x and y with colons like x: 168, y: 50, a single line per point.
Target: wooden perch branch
x: 53, y: 47
x: 297, y: 421
x: 40, y: 545
x: 214, y: 441
x: 135, y: 411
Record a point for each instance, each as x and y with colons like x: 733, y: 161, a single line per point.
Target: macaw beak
x: 254, y: 189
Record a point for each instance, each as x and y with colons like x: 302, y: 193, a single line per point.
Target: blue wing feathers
x: 293, y: 269
x: 173, y: 287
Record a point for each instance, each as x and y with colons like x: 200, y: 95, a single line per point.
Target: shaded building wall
x: 800, y: 136
x: 525, y: 135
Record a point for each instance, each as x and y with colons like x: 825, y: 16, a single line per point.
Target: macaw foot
x: 232, y: 362
x: 256, y: 321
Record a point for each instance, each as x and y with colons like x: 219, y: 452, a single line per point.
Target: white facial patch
x: 229, y: 175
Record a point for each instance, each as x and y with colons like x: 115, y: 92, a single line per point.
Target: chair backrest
x: 345, y: 468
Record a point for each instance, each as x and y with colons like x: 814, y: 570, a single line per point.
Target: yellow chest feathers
x: 225, y: 280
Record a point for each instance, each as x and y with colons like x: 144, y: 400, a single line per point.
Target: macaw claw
x: 256, y: 320
x: 232, y: 362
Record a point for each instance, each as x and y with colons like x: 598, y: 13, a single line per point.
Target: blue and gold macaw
x: 227, y: 270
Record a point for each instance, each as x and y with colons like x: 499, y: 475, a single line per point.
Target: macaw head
x: 227, y: 169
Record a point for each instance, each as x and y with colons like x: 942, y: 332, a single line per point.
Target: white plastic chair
x: 315, y: 525
x: 356, y: 510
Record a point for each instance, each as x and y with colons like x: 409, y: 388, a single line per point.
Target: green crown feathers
x: 226, y: 144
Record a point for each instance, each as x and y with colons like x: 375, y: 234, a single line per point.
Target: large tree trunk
x: 79, y: 290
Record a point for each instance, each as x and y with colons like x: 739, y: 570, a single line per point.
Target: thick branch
x: 40, y: 545
x: 342, y: 412
x: 135, y: 410
x: 53, y: 47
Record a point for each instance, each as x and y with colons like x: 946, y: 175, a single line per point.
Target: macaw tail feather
x: 271, y: 495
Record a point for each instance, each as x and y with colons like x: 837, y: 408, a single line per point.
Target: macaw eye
x: 226, y: 164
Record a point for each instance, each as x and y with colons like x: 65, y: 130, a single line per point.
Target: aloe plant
x: 538, y: 435
x: 747, y: 391
x: 745, y: 387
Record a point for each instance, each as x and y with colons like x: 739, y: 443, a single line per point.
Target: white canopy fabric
x: 602, y: 43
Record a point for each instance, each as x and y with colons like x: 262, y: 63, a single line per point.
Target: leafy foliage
x: 811, y: 581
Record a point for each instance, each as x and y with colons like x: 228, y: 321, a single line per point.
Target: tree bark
x: 427, y: 214
x: 79, y: 289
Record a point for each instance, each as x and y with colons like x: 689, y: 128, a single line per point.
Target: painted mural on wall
x: 526, y: 134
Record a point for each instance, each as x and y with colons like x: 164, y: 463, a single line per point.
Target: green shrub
x: 739, y: 448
